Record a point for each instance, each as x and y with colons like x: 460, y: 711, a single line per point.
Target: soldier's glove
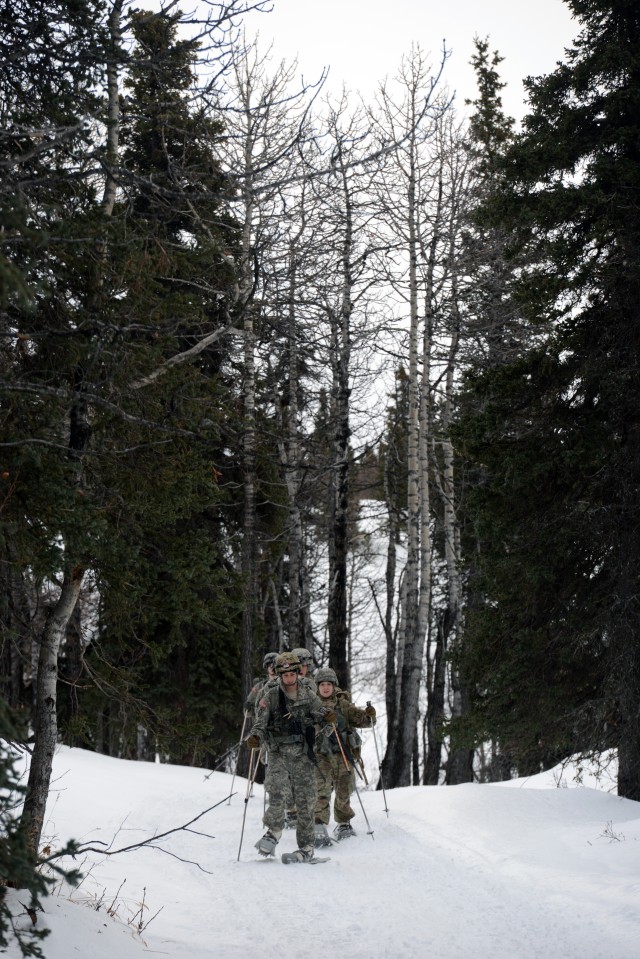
x: 330, y: 716
x: 253, y: 742
x: 371, y: 713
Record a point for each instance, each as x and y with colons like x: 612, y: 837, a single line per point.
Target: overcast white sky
x: 362, y: 41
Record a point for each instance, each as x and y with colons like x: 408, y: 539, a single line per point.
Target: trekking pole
x: 369, y: 829
x: 375, y: 739
x: 348, y: 758
x: 246, y: 716
x: 348, y: 768
x: 247, y: 793
x: 344, y: 758
x: 223, y: 758
x: 362, y: 770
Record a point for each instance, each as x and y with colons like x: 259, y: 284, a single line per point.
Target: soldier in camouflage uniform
x: 304, y: 679
x: 332, y: 772
x: 268, y: 664
x: 306, y: 662
x: 285, y: 725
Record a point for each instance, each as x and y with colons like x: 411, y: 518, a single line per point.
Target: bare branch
x: 150, y: 842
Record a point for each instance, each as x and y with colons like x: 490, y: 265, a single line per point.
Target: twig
x: 136, y: 845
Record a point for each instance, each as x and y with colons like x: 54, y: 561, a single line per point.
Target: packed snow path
x: 466, y: 872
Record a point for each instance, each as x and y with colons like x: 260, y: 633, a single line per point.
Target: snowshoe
x: 267, y: 845
x: 301, y: 855
x: 321, y: 836
x: 343, y: 831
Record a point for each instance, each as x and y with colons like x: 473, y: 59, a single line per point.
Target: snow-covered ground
x: 514, y: 871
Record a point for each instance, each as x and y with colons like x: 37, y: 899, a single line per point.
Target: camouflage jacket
x: 349, y: 718
x: 281, y: 720
x: 307, y: 681
x: 256, y: 686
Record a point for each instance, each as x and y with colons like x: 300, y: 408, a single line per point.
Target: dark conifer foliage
x: 168, y: 644
x: 51, y: 59
x: 51, y: 63
x: 555, y: 656
x: 112, y: 451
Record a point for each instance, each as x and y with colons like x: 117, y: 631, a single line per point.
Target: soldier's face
x: 289, y: 678
x: 325, y: 690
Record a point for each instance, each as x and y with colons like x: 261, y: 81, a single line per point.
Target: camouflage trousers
x: 288, y: 796
x: 331, y: 773
x: 291, y: 776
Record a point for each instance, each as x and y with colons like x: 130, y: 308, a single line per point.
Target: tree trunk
x: 46, y: 715
x: 460, y: 762
x: 390, y: 579
x: 436, y: 679
x: 339, y: 486
x: 397, y: 762
x: 299, y: 626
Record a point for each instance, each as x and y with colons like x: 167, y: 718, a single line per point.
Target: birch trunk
x: 400, y: 747
x: 45, y: 729
x: 390, y: 583
x: 407, y: 206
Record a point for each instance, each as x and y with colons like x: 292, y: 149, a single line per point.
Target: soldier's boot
x: 267, y: 845
x: 343, y: 830
x: 320, y: 835
x: 299, y: 855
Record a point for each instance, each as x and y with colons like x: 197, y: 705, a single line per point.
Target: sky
x: 541, y: 868
x: 362, y: 41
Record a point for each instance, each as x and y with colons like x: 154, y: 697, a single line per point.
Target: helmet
x: 326, y: 675
x: 305, y: 657
x: 269, y: 660
x: 286, y: 662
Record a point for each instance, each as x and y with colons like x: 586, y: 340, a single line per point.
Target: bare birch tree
x: 345, y: 294
x: 410, y: 199
x: 266, y: 120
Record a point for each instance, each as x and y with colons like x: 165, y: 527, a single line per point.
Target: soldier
x: 335, y: 761
x: 268, y: 664
x: 304, y: 679
x: 285, y: 725
x: 306, y: 662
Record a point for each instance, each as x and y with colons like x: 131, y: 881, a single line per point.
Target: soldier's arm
x: 250, y: 701
x: 317, y: 709
x: 263, y: 715
x: 357, y: 717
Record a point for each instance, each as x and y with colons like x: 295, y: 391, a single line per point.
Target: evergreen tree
x: 166, y: 653
x: 555, y: 656
x: 491, y: 332
x: 112, y: 437
x: 490, y: 327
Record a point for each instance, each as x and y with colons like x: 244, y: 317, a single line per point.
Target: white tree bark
x: 405, y: 196
x: 45, y: 731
